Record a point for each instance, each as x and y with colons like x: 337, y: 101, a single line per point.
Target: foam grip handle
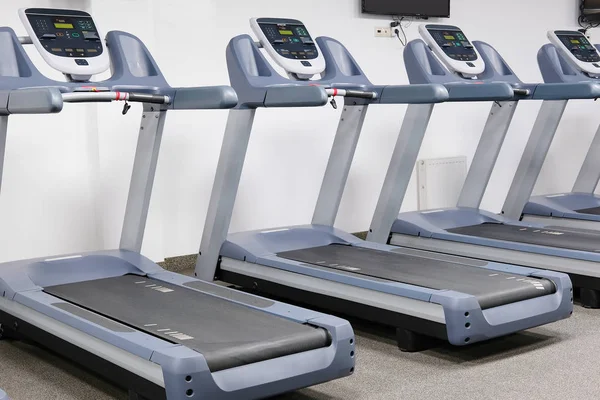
x: 521, y: 92
x: 360, y: 94
x: 148, y: 98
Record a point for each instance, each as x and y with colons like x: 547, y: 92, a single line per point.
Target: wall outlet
x: 383, y: 31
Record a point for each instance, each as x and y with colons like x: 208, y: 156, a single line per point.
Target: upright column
x: 3, y: 134
x: 399, y: 171
x: 224, y: 192
x: 533, y: 157
x: 486, y: 154
x: 340, y: 162
x: 142, y: 178
x: 589, y: 174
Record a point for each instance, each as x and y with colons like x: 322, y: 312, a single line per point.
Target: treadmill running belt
x: 226, y: 333
x: 491, y: 288
x: 592, y: 211
x: 550, y: 236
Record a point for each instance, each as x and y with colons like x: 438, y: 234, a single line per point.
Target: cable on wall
x: 398, y: 28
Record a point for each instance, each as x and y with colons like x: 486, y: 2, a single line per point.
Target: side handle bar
x: 92, y: 97
x: 361, y: 94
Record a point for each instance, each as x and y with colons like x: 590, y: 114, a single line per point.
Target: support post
x: 3, y: 136
x: 339, y: 164
x: 142, y: 178
x: 399, y: 171
x: 224, y: 192
x: 589, y: 174
x: 487, y: 152
x: 533, y: 157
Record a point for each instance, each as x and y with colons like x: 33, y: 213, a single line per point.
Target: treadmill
x: 424, y: 295
x: 158, y: 334
x: 446, y: 56
x: 570, y: 57
x: 3, y: 395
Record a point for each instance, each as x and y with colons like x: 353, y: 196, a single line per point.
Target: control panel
x: 577, y: 49
x: 451, y: 46
x: 288, y: 42
x: 68, y: 40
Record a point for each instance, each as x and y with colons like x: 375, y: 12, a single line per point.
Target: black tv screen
x: 590, y: 10
x: 409, y: 8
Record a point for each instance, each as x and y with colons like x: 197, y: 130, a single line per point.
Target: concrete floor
x: 557, y: 361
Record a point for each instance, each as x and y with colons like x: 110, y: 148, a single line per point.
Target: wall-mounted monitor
x: 590, y: 10
x: 409, y: 8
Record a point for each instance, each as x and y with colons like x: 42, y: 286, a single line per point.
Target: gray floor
x: 558, y: 361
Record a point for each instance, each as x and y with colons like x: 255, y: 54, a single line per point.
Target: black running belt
x: 550, y: 236
x: 227, y: 334
x: 592, y: 211
x: 491, y: 288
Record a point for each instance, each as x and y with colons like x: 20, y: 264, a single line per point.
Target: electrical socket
x: 383, y: 31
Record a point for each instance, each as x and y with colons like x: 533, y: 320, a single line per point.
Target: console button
x: 80, y: 61
x: 306, y: 63
x: 91, y: 36
x: 470, y: 64
x: 48, y: 36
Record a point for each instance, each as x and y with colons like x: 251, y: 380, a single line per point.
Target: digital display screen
x: 67, y: 36
x: 422, y: 8
x: 454, y: 43
x: 290, y: 40
x: 63, y: 25
x: 579, y: 46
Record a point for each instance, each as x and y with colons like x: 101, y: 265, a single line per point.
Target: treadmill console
x: 452, y: 47
x: 288, y: 42
x: 68, y: 40
x: 578, y: 50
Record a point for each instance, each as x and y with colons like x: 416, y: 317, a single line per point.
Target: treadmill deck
x: 227, y: 334
x: 491, y: 288
x: 550, y: 236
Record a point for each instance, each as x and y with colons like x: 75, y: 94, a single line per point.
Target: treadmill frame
x: 249, y: 259
x: 148, y: 366
x: 564, y: 209
x: 410, y: 228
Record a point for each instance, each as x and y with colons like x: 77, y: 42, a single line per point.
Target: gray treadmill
x: 445, y: 55
x: 158, y: 334
x: 422, y: 294
x: 570, y: 57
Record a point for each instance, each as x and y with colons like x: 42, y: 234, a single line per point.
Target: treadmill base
x: 589, y: 298
x: 422, y: 335
x: 412, y: 342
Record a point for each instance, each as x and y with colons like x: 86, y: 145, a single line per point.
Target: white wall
x: 65, y: 187
x: 289, y: 149
x: 46, y: 206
